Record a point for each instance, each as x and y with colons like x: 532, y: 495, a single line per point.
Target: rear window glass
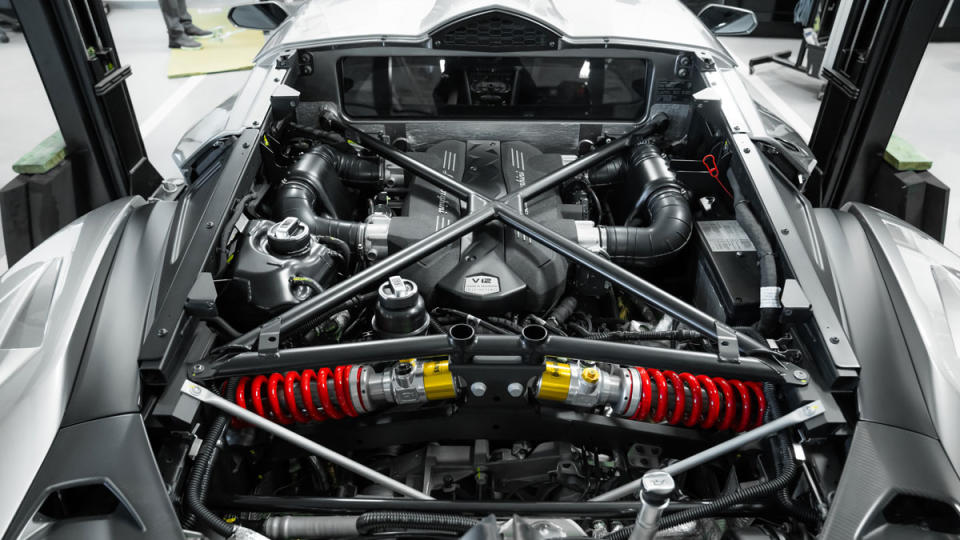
x: 493, y: 87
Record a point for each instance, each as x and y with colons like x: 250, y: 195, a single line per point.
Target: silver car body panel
x: 329, y: 23
x: 923, y: 277
x: 611, y: 22
x: 42, y: 297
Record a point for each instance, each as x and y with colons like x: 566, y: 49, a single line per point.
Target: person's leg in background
x: 180, y: 25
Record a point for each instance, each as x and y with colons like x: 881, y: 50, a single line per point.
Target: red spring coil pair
x: 275, y: 396
x: 742, y: 404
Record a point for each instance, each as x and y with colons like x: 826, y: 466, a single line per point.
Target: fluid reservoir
x: 401, y: 311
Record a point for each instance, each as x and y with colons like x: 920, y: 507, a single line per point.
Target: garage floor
x: 166, y: 108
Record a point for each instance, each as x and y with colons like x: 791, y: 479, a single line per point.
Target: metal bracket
x: 728, y: 349
x: 705, y: 61
x: 268, y: 341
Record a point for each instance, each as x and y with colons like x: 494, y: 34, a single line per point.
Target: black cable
x: 350, y: 303
x: 644, y: 335
x: 638, y: 335
x: 197, y: 482
x: 339, y: 246
x: 765, y: 258
x: 372, y: 522
x: 308, y: 282
x: 505, y: 323
x: 472, y: 319
x: 785, y: 476
x: 781, y: 447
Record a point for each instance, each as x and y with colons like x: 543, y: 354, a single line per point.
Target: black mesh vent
x: 495, y: 31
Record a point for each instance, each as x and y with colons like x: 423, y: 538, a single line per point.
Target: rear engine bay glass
x: 494, y: 87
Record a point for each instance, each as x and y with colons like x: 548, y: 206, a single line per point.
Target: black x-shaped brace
x: 509, y: 210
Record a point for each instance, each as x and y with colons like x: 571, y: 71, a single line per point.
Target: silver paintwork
x: 924, y: 276
x: 793, y: 418
x: 41, y: 345
x: 325, y: 23
x: 200, y: 393
x: 606, y: 22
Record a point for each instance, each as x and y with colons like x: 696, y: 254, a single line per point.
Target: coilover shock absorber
x: 650, y: 394
x: 345, y: 391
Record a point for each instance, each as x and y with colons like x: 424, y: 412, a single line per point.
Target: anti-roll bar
x: 505, y: 209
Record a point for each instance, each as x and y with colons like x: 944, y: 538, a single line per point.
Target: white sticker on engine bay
x: 726, y: 235
x: 481, y: 284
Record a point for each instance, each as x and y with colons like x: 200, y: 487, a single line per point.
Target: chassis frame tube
x: 372, y: 276
x: 337, y: 506
x: 250, y: 363
x: 500, y: 209
x: 793, y: 418
x: 195, y: 391
x: 409, y: 164
x: 622, y: 277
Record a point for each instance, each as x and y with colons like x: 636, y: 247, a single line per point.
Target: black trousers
x: 175, y: 15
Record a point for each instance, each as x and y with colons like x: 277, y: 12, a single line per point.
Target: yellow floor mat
x: 228, y: 49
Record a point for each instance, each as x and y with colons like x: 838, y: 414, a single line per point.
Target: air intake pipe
x: 314, y: 182
x: 661, y: 201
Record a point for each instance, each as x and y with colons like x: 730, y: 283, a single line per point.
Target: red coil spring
x: 302, y: 397
x: 715, y: 402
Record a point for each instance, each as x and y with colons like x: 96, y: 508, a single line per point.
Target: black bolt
x: 746, y: 150
x: 246, y: 145
x: 208, y: 224
x: 834, y: 340
x: 256, y: 122
x: 785, y: 231
x: 404, y: 368
x: 724, y: 343
x: 198, y: 368
x: 161, y: 332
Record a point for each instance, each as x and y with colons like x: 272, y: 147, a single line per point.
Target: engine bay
x: 492, y: 322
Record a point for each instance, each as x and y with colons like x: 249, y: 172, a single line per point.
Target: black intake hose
x: 372, y: 522
x: 314, y: 181
x: 297, y: 200
x: 662, y: 201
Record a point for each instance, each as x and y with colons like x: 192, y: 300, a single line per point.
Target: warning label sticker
x: 481, y: 285
x: 726, y: 236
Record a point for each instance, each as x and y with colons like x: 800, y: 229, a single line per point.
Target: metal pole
x: 202, y: 394
x: 406, y: 162
x: 644, y: 289
x: 588, y: 161
x: 372, y: 276
x: 338, y: 506
x: 798, y: 416
x: 296, y: 359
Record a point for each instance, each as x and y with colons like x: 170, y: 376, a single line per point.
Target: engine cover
x: 495, y: 269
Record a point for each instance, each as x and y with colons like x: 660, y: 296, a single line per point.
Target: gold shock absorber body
x: 438, y: 381
x: 554, y: 384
